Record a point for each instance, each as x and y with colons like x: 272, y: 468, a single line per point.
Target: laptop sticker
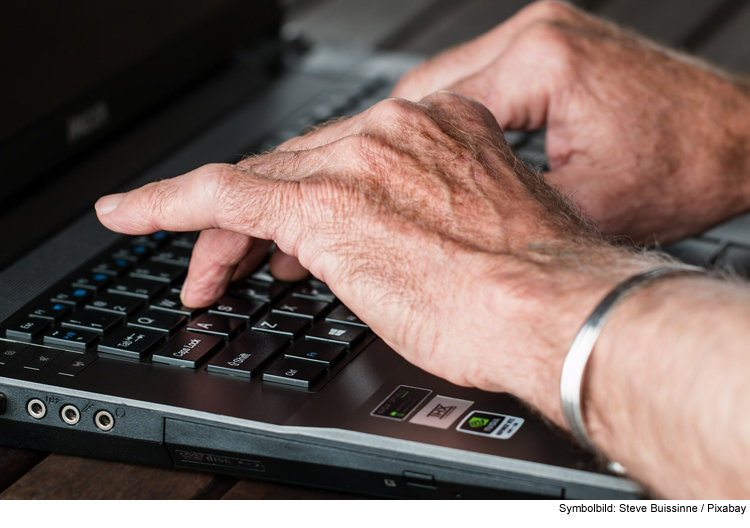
x: 441, y: 412
x: 401, y: 402
x: 500, y: 426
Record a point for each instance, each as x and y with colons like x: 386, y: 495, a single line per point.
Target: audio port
x: 104, y: 420
x: 70, y: 414
x: 36, y: 408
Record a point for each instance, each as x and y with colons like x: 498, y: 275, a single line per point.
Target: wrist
x: 729, y: 148
x: 541, y: 312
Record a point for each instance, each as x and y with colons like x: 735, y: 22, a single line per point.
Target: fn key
x: 302, y: 374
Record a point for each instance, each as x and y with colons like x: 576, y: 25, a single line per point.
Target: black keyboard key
x: 10, y: 351
x: 296, y: 373
x: 44, y: 358
x: 171, y: 302
x: 116, y: 304
x: 237, y: 307
x: 696, y: 251
x: 158, y: 271
x: 77, y: 365
x: 315, y: 291
x: 263, y: 274
x: 93, y: 321
x: 111, y: 266
x: 75, y: 339
x: 144, y: 289
x: 130, y: 342
x: 153, y: 240
x: 50, y: 310
x: 92, y: 281
x: 324, y: 353
x: 338, y: 334
x: 281, y: 324
x: 187, y: 349
x: 184, y: 240
x: 248, y: 354
x: 226, y: 327
x: 73, y: 296
x: 737, y: 259
x: 131, y: 252
x: 158, y: 320
x: 344, y: 315
x: 259, y: 291
x: 173, y: 255
x: 299, y: 307
x: 26, y: 328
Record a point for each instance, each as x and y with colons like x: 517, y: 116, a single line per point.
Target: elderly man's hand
x: 652, y: 143
x: 422, y: 221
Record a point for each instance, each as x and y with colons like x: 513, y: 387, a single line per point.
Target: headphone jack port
x: 70, y: 414
x: 36, y: 408
x: 104, y: 420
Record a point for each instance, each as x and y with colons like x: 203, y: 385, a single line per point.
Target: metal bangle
x: 574, y: 367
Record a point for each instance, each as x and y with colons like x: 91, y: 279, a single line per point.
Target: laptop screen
x: 74, y: 70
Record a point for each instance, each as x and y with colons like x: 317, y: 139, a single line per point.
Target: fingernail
x: 183, y: 293
x: 107, y: 204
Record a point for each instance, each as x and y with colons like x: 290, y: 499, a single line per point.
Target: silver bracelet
x: 574, y: 367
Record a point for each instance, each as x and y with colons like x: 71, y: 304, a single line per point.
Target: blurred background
x: 718, y: 30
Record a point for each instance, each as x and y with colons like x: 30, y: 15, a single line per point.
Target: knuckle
x: 555, y: 10
x: 158, y: 200
x: 223, y: 183
x: 462, y: 108
x: 449, y: 100
x: 552, y: 43
x: 393, y: 110
x: 220, y: 181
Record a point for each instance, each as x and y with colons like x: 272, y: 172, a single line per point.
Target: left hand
x: 653, y: 144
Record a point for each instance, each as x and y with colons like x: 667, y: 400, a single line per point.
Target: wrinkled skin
x: 420, y: 219
x: 651, y: 143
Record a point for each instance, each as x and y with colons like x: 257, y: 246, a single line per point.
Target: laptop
x: 276, y: 381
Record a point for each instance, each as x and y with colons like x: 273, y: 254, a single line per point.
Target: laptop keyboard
x: 125, y: 304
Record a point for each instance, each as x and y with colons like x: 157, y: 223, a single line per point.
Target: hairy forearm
x: 667, y: 392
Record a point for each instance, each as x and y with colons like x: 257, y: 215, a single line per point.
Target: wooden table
x: 715, y: 29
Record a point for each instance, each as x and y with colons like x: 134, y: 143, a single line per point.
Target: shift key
x: 247, y: 354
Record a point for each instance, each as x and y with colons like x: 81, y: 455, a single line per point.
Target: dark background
x: 718, y: 30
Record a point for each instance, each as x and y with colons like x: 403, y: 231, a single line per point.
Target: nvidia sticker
x: 500, y: 426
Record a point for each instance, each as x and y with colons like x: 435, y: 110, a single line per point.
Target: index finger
x: 216, y: 196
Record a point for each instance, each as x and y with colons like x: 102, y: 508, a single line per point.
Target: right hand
x: 652, y: 143
x: 422, y: 221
